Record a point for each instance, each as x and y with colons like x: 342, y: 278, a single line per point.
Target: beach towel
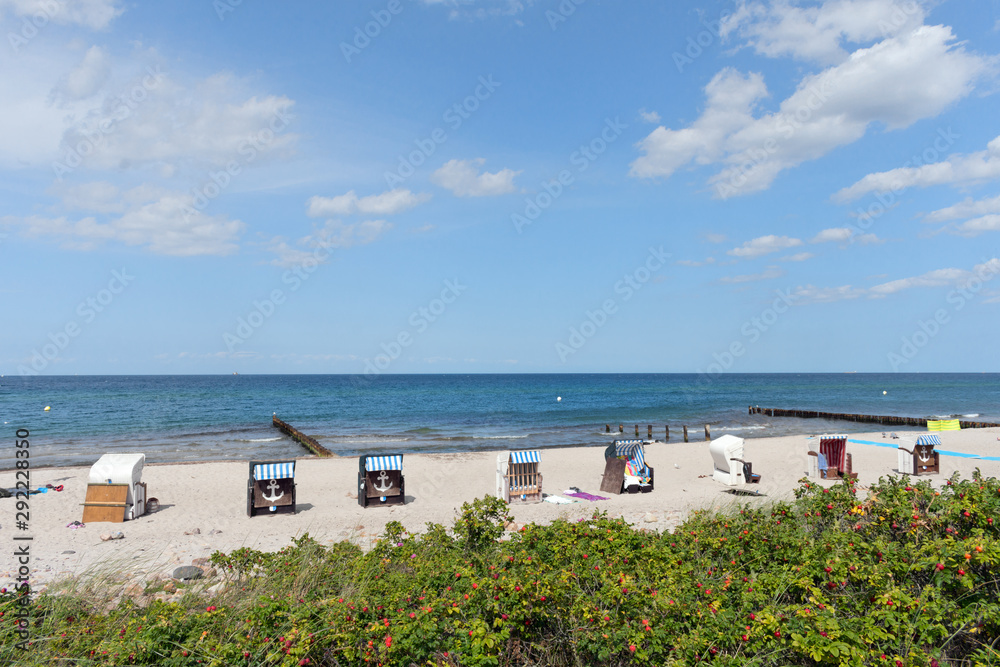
x: 559, y: 500
x: 586, y: 496
x: 822, y: 462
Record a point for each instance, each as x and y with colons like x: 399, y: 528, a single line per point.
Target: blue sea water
x: 196, y: 418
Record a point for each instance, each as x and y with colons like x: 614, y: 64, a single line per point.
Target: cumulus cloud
x: 834, y: 234
x: 955, y: 170
x: 93, y: 14
x: 167, y: 224
x: 387, y: 203
x: 913, y: 75
x: 462, y: 177
x: 649, y: 116
x: 949, y: 277
x: 316, y: 247
x: 87, y: 78
x: 976, y: 226
x: 763, y: 245
x: 967, y: 208
x: 767, y: 274
x: 817, y: 33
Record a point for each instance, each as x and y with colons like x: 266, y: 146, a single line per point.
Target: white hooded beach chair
x: 115, y: 491
x: 518, y: 479
x: 727, y: 456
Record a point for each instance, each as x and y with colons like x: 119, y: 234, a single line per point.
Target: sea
x: 187, y: 418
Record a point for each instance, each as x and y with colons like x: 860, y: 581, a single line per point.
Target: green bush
x: 904, y: 576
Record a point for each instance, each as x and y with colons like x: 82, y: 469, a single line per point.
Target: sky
x: 499, y: 186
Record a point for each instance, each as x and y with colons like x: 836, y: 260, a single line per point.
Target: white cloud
x: 387, y: 203
x: 94, y: 14
x: 900, y: 80
x: 333, y: 234
x: 950, y: 277
x: 480, y: 9
x: 691, y: 262
x: 955, y: 170
x: 812, y: 294
x: 816, y: 33
x: 649, y: 116
x: 87, y: 78
x: 976, y: 226
x: 767, y: 274
x: 798, y: 257
x: 168, y: 224
x: 99, y: 196
x: 462, y: 177
x: 731, y: 97
x: 967, y: 208
x: 764, y: 245
x: 834, y: 234
x: 716, y: 238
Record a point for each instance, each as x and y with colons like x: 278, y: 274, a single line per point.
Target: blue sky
x: 438, y: 186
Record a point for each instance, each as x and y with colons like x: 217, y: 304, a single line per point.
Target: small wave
x: 741, y: 428
x: 500, y: 437
x: 421, y: 430
x: 260, y: 440
x: 972, y: 415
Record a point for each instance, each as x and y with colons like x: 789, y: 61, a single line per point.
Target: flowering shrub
x: 902, y: 575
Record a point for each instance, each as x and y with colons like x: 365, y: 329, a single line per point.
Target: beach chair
x: 271, y: 488
x: 380, y: 480
x: 625, y: 469
x: 920, y: 458
x: 730, y: 467
x: 838, y: 462
x: 518, y: 479
x: 115, y: 492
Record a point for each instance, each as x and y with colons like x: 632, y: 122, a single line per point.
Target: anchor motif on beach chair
x: 380, y: 480
x: 920, y: 458
x: 271, y: 487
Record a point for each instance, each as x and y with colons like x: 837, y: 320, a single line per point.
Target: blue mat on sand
x: 943, y: 452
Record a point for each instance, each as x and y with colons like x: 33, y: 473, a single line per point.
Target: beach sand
x: 210, y: 498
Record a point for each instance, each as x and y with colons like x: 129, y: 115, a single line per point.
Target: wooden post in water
x: 685, y: 434
x: 607, y: 428
x: 621, y: 428
x: 649, y: 431
x: 637, y: 430
x: 708, y: 434
x: 666, y: 433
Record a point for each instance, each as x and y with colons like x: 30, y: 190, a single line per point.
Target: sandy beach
x: 203, y: 506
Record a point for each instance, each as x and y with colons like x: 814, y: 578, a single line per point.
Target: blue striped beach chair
x: 271, y: 488
x: 380, y: 480
x: 625, y: 468
x: 920, y: 458
x: 518, y: 479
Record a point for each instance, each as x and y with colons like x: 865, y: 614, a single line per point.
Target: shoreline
x: 210, y: 498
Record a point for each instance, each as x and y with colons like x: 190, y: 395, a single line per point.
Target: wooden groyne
x: 666, y: 431
x: 300, y: 437
x: 885, y: 420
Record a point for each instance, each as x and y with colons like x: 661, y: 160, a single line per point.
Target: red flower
x: 631, y: 647
x: 388, y: 641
